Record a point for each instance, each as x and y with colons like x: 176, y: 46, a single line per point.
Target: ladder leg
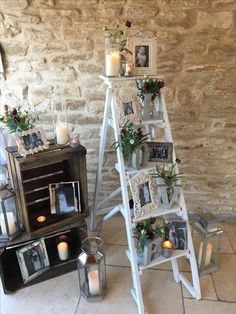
x: 175, y: 269
x: 100, y: 157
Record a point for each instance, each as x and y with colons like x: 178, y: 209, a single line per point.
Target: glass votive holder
x: 167, y: 247
x: 74, y: 140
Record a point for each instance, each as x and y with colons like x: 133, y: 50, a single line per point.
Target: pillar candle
x: 113, y: 64
x: 93, y: 282
x: 62, y: 135
x: 208, y: 254
x: 11, y: 223
x: 62, y: 248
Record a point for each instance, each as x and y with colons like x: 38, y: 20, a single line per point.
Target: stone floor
x: 161, y: 294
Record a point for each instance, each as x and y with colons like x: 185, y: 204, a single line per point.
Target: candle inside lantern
x: 128, y: 69
x: 113, y: 64
x: 11, y: 223
x: 41, y: 218
x: 167, y: 247
x: 74, y: 140
x: 62, y: 136
x: 93, y: 282
x: 62, y: 249
x: 208, y: 254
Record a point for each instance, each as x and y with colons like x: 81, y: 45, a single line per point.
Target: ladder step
x: 159, y: 212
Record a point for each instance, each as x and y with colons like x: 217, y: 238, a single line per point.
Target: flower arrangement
x: 167, y: 173
x: 18, y: 120
x: 147, y: 85
x: 129, y: 139
x: 148, y: 230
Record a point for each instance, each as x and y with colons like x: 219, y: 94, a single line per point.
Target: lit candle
x: 62, y: 248
x: 62, y: 136
x: 11, y: 223
x: 74, y: 140
x: 93, y: 282
x: 167, y: 247
x: 113, y: 64
x: 208, y: 254
x: 41, y: 218
x: 128, y: 69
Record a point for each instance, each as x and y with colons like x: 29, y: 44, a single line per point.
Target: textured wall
x: 54, y: 49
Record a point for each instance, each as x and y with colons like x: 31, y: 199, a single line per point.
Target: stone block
x: 13, y: 5
x: 48, y: 48
x: 83, y: 44
x: 141, y: 11
x: 223, y: 19
x: 43, y: 3
x: 9, y: 30
x: 14, y: 48
x: 38, y: 93
x: 183, y: 4
x: 74, y: 4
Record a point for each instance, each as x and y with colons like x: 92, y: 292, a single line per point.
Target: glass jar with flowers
x: 116, y: 53
x: 148, y: 90
x: 130, y: 142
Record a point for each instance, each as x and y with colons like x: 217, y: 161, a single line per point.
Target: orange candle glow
x: 167, y: 244
x: 41, y: 218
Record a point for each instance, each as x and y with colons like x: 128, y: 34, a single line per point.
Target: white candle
x: 11, y: 224
x: 113, y: 64
x: 62, y: 248
x: 62, y: 135
x: 128, y: 69
x: 208, y: 254
x: 93, y: 282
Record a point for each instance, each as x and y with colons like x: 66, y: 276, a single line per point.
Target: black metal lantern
x: 9, y: 223
x: 208, y: 244
x: 92, y: 269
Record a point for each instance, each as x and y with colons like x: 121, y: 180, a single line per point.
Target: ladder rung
x: 158, y: 212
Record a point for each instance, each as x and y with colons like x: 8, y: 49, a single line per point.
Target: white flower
x: 167, y: 168
x: 23, y: 114
x: 131, y: 142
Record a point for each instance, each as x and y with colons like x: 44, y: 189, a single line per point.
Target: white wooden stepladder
x: 113, y: 84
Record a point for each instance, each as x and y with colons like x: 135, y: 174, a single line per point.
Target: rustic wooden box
x: 31, y: 176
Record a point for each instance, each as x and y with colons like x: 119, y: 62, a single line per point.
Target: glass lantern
x: 9, y: 223
x: 112, y: 57
x: 208, y: 248
x: 60, y: 123
x: 92, y: 269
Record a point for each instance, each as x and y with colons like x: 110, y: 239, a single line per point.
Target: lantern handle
x: 99, y: 242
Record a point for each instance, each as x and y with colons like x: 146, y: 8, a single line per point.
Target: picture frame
x: 31, y: 141
x: 144, y: 191
x: 65, y: 197
x: 33, y: 259
x: 128, y: 109
x: 160, y: 152
x: 144, y: 51
x: 176, y: 231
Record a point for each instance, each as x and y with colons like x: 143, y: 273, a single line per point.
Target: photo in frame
x: 144, y: 52
x: 32, y: 259
x: 31, y: 141
x: 144, y: 191
x: 128, y: 109
x: 160, y: 152
x: 64, y: 197
x: 176, y: 231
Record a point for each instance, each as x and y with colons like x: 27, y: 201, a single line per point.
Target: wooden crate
x: 31, y: 176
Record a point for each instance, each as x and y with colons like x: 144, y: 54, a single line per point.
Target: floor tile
x: 208, y: 307
x: 116, y: 255
x: 225, y: 245
x: 230, y: 229
x: 225, y: 278
x: 207, y: 287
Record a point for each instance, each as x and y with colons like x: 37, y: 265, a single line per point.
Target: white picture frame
x: 144, y: 53
x: 32, y: 259
x: 128, y: 109
x: 144, y: 194
x: 30, y: 141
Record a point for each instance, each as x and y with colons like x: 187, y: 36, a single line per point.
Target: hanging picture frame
x: 30, y: 141
x: 143, y: 189
x: 32, y: 259
x: 160, y: 152
x: 128, y: 109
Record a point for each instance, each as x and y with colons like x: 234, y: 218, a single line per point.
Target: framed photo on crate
x: 144, y: 190
x: 32, y: 259
x: 30, y: 141
x: 160, y: 152
x: 128, y: 109
x: 176, y: 231
x: 144, y: 52
x: 64, y: 197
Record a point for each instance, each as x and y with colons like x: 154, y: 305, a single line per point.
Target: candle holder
x: 74, y: 140
x: 112, y: 58
x: 128, y: 69
x: 167, y: 247
x: 60, y: 124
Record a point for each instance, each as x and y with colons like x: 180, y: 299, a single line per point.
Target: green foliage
x: 147, y: 85
x: 167, y: 173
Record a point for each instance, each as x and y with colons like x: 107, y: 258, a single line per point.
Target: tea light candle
x: 93, y: 282
x: 11, y: 223
x: 128, y: 69
x: 74, y: 140
x: 41, y: 218
x: 113, y: 64
x: 167, y: 247
x: 62, y: 249
x: 62, y: 136
x: 208, y: 254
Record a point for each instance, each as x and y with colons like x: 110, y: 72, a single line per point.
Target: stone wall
x: 54, y: 49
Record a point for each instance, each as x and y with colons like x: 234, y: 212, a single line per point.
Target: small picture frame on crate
x: 176, y: 231
x: 160, y: 152
x: 128, y: 109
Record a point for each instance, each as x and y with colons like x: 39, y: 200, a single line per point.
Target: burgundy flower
x: 150, y: 235
x: 14, y: 112
x: 152, y: 220
x: 16, y: 119
x: 128, y: 24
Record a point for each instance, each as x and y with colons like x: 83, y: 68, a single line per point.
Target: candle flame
x: 41, y: 218
x: 167, y: 244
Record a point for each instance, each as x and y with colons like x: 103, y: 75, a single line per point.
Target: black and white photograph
x: 176, y: 231
x: 64, y: 197
x: 142, y: 56
x: 160, y: 152
x: 128, y: 108
x: 144, y: 194
x: 33, y: 259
